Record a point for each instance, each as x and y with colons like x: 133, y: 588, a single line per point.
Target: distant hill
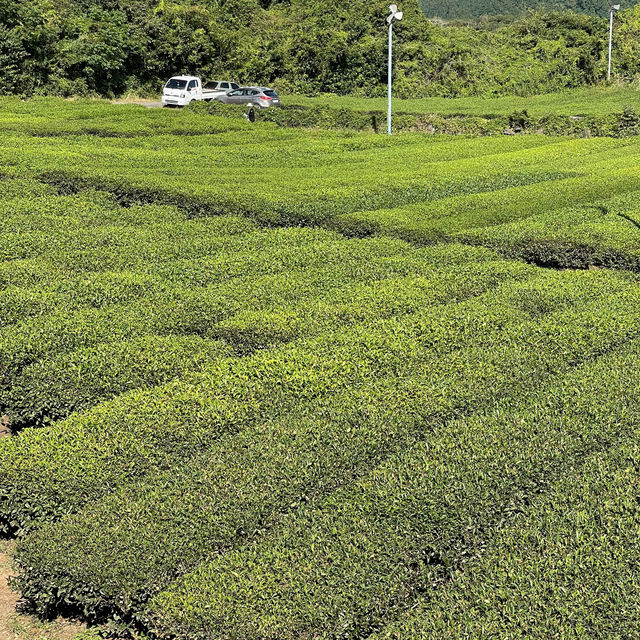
x: 464, y: 9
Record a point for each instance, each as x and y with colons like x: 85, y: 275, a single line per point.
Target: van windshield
x: 174, y: 83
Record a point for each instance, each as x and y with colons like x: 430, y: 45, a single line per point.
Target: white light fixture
x: 394, y: 15
x: 614, y: 8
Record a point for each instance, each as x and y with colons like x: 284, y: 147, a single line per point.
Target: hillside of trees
x: 465, y: 9
x: 111, y: 47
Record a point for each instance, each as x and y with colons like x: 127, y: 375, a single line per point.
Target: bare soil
x: 150, y: 104
x: 4, y: 426
x: 17, y: 626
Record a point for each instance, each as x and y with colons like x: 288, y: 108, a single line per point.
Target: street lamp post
x: 614, y: 8
x: 394, y: 14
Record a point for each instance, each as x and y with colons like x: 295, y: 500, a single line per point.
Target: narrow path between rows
x: 16, y: 626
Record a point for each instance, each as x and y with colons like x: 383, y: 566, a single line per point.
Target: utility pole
x: 614, y: 8
x: 394, y: 14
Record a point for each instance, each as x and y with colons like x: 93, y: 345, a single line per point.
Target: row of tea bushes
x: 346, y: 566
x: 53, y: 388
x: 226, y: 396
x: 330, y: 117
x: 567, y: 565
x: 389, y: 174
x: 432, y: 197
x: 51, y: 117
x: 97, y: 290
x: 176, y: 312
x: 603, y: 234
x: 310, y: 199
x: 46, y: 117
x: 219, y: 278
x: 445, y: 219
x: 403, y: 380
x: 265, y: 314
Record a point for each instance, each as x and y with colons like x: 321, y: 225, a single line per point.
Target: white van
x: 182, y: 90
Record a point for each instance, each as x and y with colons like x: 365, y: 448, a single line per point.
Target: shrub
x: 346, y: 566
x: 629, y: 123
x: 226, y: 387
x: 542, y: 573
x: 405, y: 379
x: 51, y: 389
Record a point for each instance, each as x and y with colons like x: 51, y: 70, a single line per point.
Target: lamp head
x: 394, y: 14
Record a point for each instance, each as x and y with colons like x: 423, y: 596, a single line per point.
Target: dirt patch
x: 4, y: 426
x: 15, y: 626
x: 150, y: 104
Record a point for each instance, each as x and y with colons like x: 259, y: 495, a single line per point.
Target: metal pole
x: 390, y: 73
x: 610, y: 44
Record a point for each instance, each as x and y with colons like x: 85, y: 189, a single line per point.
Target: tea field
x: 274, y: 383
x: 596, y: 100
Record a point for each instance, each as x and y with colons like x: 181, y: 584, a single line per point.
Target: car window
x: 254, y: 92
x: 224, y: 85
x: 192, y: 85
x: 174, y: 83
x: 271, y: 93
x: 211, y: 85
x: 235, y: 93
x: 234, y: 85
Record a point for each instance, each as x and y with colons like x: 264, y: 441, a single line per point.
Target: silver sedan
x: 262, y: 97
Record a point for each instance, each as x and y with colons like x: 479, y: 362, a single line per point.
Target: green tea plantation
x: 274, y: 383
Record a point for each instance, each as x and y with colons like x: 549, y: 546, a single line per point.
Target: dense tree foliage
x: 476, y: 8
x: 109, y: 47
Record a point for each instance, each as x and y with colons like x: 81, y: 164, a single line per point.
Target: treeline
x: 111, y: 47
x: 465, y: 9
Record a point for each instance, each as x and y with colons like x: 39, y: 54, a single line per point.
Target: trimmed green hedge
x: 253, y: 290
x: 359, y: 559
x: 450, y: 218
x: 566, y: 565
x: 402, y: 381
x: 327, y: 174
x: 228, y: 395
x: 178, y: 312
x: 51, y: 389
x: 341, y: 118
x: 601, y: 234
x: 99, y: 119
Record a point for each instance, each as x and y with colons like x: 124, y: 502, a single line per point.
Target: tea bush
x: 601, y: 234
x: 435, y: 366
x: 226, y: 388
x: 343, y: 567
x: 568, y: 562
x: 296, y: 383
x: 331, y: 116
x: 51, y: 389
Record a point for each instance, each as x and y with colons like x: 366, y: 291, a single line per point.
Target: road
x: 143, y: 103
